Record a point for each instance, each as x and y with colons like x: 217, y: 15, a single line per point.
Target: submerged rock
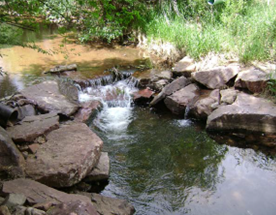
x: 33, y: 126
x: 247, y: 113
x: 48, y: 98
x: 110, y: 206
x: 205, y: 104
x: 12, y: 161
x: 62, y: 68
x: 252, y: 79
x: 216, y: 78
x: 67, y: 157
x: 178, y: 101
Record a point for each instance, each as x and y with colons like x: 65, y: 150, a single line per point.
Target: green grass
x: 245, y: 28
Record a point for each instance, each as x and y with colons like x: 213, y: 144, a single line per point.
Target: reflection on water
x: 165, y: 166
x: 92, y: 60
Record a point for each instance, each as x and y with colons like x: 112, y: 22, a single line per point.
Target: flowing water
x: 165, y: 165
x: 159, y: 163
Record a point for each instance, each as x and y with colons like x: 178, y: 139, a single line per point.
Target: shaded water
x: 164, y: 165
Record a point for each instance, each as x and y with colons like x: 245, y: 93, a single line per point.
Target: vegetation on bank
x: 245, y: 28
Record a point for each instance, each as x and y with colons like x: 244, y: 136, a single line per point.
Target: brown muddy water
x: 25, y: 66
x: 159, y: 163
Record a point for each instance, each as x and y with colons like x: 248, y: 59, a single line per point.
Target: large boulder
x: 179, y: 100
x: 247, y: 113
x: 67, y: 157
x: 33, y: 126
x: 109, y: 206
x: 39, y: 194
x: 11, y: 160
x: 252, y: 79
x: 184, y: 67
x: 216, y: 78
x: 48, y: 98
x: 205, y: 104
x: 170, y: 89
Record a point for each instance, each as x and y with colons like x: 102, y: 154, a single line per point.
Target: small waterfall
x: 116, y: 99
x: 184, y: 122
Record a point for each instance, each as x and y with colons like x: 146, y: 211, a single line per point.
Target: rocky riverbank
x: 49, y: 147
x: 228, y: 98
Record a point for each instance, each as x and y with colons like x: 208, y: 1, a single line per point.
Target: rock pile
x: 50, y: 147
x: 227, y: 97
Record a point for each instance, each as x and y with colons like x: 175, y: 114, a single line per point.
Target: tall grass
x: 245, y: 28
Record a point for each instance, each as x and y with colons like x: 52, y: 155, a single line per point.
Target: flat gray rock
x: 179, y: 100
x: 67, y: 157
x: 247, y: 113
x: 33, y: 126
x: 101, y: 171
x: 11, y: 159
x: 216, y: 78
x: 48, y: 98
x: 110, y: 206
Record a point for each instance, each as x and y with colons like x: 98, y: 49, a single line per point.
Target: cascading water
x: 165, y: 165
x: 116, y: 100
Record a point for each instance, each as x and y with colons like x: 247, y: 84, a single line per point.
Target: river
x: 159, y: 163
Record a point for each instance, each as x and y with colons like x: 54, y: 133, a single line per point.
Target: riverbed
x: 160, y: 163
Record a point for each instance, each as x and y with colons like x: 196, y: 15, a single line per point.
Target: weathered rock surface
x: 21, y: 210
x: 216, y: 78
x: 73, y: 208
x: 167, y: 75
x: 252, y: 79
x: 111, y: 206
x: 15, y: 199
x: 143, y: 96
x: 205, y: 104
x: 247, y: 113
x: 11, y: 159
x: 184, y: 67
x: 67, y: 157
x: 228, y: 96
x: 63, y: 68
x: 37, y: 193
x: 33, y: 126
x: 48, y: 98
x: 26, y: 110
x: 4, y: 210
x: 101, y: 171
x: 87, y: 110
x: 179, y: 100
x: 170, y: 89
x: 159, y: 85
